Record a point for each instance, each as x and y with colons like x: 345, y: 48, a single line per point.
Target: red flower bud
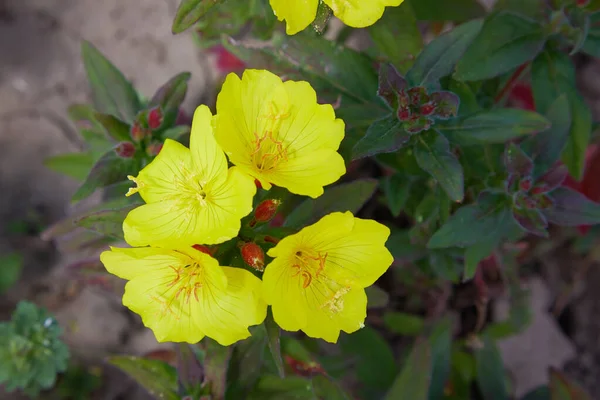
x: 125, y: 149
x: 403, y: 99
x: 404, y: 114
x: 155, y: 118
x: 258, y: 184
x: 253, y: 255
x: 525, y: 184
x: 154, y: 148
x: 137, y: 132
x: 266, y: 210
x: 202, y: 248
x: 428, y: 109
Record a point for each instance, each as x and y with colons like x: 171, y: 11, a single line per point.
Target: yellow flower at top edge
x: 278, y: 133
x: 184, y: 295
x: 298, y: 14
x: 191, y: 197
x: 317, y: 278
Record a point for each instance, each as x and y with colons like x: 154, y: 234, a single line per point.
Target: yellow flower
x: 191, y: 197
x: 184, y: 295
x: 299, y: 14
x: 316, y: 281
x: 276, y: 132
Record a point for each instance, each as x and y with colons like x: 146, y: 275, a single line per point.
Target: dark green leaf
x: 545, y: 147
x: 432, y: 152
x: 112, y: 92
x: 490, y: 372
x: 273, y: 334
x: 384, y: 136
x: 116, y: 129
x: 327, y: 389
x: 176, y: 133
x: 157, y: 377
x: 397, y: 36
x: 271, y: 387
x: 564, y: 388
x: 374, y: 361
x: 189, y: 12
x: 11, y: 265
x: 476, y: 253
x: 531, y: 8
x: 468, y: 99
x: 532, y: 221
x: 324, y: 14
x: 190, y: 373
x: 404, y: 324
x: 591, y: 45
x: 444, y: 266
x: 108, y: 170
x: 391, y: 84
x: 516, y: 161
x: 493, y: 126
x: 540, y: 393
x: 403, y: 250
x: 441, y: 357
x: 442, y: 11
x: 345, y: 197
x: 506, y: 41
x: 74, y: 165
x: 571, y: 208
x: 251, y: 351
x: 170, y: 96
x: 440, y: 56
x: 215, y: 362
x: 396, y: 189
x: 106, y: 222
x: 413, y: 381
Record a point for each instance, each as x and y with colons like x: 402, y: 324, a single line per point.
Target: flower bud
x: 253, y: 255
x: 155, y: 118
x: 404, y: 114
x: 125, y: 149
x: 202, y: 248
x: 266, y: 210
x: 137, y: 132
x: 153, y: 149
x: 428, y: 108
x: 525, y: 184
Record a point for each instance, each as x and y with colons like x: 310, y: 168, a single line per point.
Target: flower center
x: 308, y: 266
x: 186, y: 281
x: 267, y: 149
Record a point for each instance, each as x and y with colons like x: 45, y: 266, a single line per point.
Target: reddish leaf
x: 532, y: 221
x: 516, y: 161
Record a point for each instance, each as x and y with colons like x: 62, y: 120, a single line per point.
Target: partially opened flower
x: 316, y: 281
x: 190, y: 195
x: 298, y: 14
x: 276, y: 132
x: 184, y: 295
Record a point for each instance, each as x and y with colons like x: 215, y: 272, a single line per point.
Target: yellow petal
x: 298, y: 14
x: 226, y: 315
x: 159, y: 178
x: 284, y: 293
x: 207, y: 156
x: 130, y: 263
x: 360, y: 13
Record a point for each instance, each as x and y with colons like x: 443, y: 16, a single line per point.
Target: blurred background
x: 41, y: 74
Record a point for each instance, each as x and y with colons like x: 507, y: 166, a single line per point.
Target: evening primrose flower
x: 317, y: 278
x: 190, y: 195
x: 276, y: 132
x: 298, y: 14
x: 184, y: 295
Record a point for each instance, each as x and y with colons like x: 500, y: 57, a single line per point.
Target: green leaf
x: 397, y: 190
x: 402, y: 248
x: 271, y: 387
x: 74, y: 165
x: 108, y: 170
x: 441, y: 356
x: 215, y: 361
x: 112, y: 92
x: 572, y: 208
x: 545, y: 147
x: 251, y: 351
x: 432, y: 152
x: 476, y: 253
x: 397, y: 36
x: 442, y: 11
x: 326, y: 388
x: 11, y: 265
x: 531, y: 8
x: 404, y: 324
x: 189, y: 12
x: 470, y: 225
x: 375, y: 366
x: 413, y: 381
x: 273, y: 335
x: 553, y: 74
x: 106, y: 222
x: 170, y: 96
x: 440, y: 56
x: 345, y: 197
x: 157, y: 377
x: 490, y: 372
x: 493, y: 126
x: 176, y: 133
x: 384, y: 136
x: 506, y: 41
x: 563, y: 388
x: 116, y: 129
x: 539, y: 393
x: 376, y: 297
x: 591, y: 45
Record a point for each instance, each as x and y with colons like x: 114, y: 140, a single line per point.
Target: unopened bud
x: 428, y: 108
x: 202, y: 248
x: 153, y: 149
x: 266, y: 210
x: 404, y: 114
x: 258, y: 184
x: 155, y: 118
x: 125, y: 149
x: 525, y: 184
x: 418, y: 95
x: 403, y: 99
x: 253, y: 255
x: 137, y: 132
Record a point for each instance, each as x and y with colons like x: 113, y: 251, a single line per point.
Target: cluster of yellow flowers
x: 298, y: 14
x: 277, y: 133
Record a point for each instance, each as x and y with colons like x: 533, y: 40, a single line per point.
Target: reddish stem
x: 511, y: 82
